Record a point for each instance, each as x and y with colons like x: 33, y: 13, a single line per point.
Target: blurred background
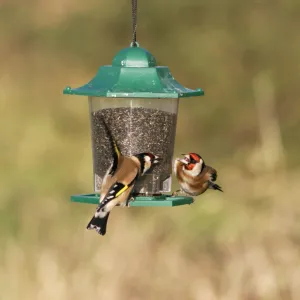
x: 243, y: 244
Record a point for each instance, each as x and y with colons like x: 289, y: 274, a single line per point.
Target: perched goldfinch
x: 194, y: 176
x: 118, y: 183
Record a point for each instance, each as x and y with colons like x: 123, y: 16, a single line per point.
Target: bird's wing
x: 116, y: 153
x: 126, y: 174
x: 116, y: 191
x: 209, y: 174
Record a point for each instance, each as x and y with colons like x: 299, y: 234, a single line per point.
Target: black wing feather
x: 112, y: 194
x: 214, y: 175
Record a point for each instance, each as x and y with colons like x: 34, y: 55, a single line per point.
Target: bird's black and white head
x: 193, y: 162
x: 147, y: 161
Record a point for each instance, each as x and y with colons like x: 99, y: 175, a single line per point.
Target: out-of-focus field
x: 240, y: 245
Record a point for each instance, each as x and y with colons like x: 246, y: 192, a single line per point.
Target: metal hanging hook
x: 134, y: 22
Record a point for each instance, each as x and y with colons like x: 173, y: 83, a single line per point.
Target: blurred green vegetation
x: 240, y: 245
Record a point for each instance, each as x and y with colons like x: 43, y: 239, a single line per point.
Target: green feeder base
x: 161, y: 200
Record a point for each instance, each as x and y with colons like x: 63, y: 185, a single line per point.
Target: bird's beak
x: 156, y: 159
x: 186, y: 159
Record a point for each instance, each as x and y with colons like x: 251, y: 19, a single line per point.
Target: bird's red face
x: 190, y: 160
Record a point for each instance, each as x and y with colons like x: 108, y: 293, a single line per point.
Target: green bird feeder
x: 139, y: 102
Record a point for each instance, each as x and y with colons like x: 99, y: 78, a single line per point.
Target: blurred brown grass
x: 243, y: 244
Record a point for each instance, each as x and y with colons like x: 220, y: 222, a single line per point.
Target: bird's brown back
x: 125, y: 173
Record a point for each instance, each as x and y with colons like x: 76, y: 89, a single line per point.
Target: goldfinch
x: 194, y: 176
x: 118, y: 182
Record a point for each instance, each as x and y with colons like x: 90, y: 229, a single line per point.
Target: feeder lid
x: 134, y: 74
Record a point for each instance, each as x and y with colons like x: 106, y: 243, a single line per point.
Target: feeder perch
x: 139, y: 102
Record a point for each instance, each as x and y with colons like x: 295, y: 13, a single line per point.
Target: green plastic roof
x: 134, y: 74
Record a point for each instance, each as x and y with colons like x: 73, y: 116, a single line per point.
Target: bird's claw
x: 176, y: 193
x: 129, y: 200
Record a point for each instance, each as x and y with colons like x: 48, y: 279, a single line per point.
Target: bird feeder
x: 139, y: 102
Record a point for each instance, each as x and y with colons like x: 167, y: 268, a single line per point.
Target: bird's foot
x: 174, y: 194
x: 129, y: 200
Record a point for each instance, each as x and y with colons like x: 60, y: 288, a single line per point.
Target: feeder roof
x: 134, y: 74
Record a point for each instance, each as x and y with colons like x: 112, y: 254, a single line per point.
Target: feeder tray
x: 162, y: 201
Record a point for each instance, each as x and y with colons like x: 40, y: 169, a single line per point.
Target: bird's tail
x: 215, y: 186
x: 99, y: 223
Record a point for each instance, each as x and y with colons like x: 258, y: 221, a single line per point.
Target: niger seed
x: 135, y: 130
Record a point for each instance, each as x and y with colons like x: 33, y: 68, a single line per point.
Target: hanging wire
x: 134, y: 22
